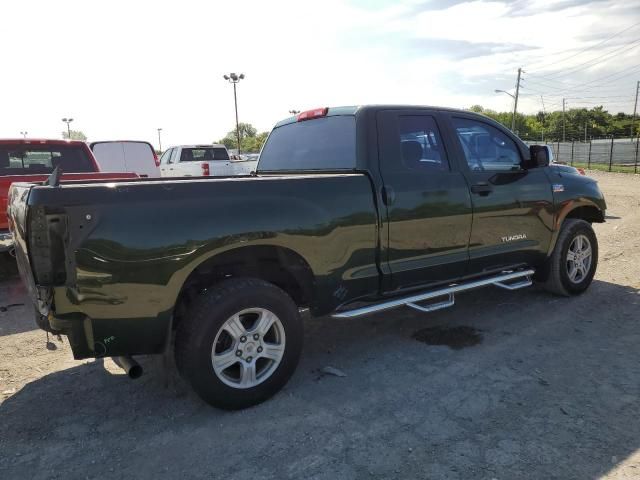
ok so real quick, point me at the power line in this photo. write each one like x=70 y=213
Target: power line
x=590 y=47
x=536 y=93
x=589 y=63
x=563 y=86
x=588 y=87
x=549 y=82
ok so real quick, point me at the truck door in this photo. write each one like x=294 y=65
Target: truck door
x=166 y=166
x=428 y=207
x=512 y=206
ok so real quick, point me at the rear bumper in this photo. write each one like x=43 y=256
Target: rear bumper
x=6 y=241
x=108 y=337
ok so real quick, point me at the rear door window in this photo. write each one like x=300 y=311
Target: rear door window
x=327 y=143
x=420 y=144
x=23 y=159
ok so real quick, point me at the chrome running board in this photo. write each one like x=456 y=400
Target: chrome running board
x=412 y=301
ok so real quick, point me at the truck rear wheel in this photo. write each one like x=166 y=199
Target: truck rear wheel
x=573 y=262
x=239 y=343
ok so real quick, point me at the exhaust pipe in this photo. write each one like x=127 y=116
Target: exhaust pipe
x=129 y=365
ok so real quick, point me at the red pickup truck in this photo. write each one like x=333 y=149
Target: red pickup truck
x=28 y=160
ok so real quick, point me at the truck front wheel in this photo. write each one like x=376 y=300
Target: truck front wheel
x=573 y=262
x=239 y=343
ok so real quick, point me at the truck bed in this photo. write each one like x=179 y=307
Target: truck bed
x=7 y=180
x=168 y=228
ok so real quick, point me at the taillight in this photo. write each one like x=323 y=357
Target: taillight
x=156 y=159
x=315 y=113
x=205 y=169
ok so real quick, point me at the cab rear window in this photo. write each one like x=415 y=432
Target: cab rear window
x=327 y=143
x=203 y=154
x=23 y=159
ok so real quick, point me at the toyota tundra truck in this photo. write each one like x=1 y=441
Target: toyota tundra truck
x=352 y=210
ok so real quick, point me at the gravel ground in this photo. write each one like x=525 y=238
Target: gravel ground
x=535 y=387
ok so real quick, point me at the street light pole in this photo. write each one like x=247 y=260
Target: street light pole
x=234 y=79
x=515 y=101
x=294 y=112
x=24 y=134
x=68 y=121
x=159 y=141
x=235 y=102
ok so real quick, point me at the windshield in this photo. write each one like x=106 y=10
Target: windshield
x=21 y=159
x=320 y=144
x=203 y=154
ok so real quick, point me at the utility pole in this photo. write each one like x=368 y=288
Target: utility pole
x=563 y=122
x=159 y=141
x=515 y=101
x=635 y=109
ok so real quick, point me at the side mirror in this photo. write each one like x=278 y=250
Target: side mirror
x=541 y=155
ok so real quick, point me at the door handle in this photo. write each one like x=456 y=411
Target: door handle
x=388 y=195
x=482 y=189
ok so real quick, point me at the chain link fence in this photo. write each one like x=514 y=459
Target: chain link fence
x=611 y=154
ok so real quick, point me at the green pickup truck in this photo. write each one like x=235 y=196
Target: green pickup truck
x=352 y=210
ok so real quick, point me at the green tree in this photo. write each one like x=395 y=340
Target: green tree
x=75 y=135
x=250 y=139
x=598 y=122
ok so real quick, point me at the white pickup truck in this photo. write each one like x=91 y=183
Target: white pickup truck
x=202 y=161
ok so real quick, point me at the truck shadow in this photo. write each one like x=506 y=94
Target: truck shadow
x=15 y=316
x=552 y=391
x=8 y=267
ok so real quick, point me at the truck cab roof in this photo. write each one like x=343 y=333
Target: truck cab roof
x=339 y=138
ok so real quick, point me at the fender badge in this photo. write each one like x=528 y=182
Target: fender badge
x=558 y=187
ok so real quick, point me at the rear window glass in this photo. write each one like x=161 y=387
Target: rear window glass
x=20 y=159
x=319 y=144
x=203 y=154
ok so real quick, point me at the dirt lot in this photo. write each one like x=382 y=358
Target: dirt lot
x=550 y=388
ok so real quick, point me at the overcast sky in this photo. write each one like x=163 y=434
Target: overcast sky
x=122 y=69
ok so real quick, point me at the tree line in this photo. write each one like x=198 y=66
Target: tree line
x=579 y=123
x=250 y=140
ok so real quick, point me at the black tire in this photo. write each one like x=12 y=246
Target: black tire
x=200 y=328
x=558 y=281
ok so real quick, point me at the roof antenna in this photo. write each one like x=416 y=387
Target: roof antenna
x=54 y=178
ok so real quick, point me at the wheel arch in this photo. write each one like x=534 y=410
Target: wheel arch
x=585 y=210
x=589 y=213
x=275 y=264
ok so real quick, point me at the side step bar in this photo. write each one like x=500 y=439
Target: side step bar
x=502 y=281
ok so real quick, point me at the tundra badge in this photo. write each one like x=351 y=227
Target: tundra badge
x=511 y=238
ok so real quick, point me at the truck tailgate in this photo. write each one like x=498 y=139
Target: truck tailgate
x=17 y=222
x=7 y=180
